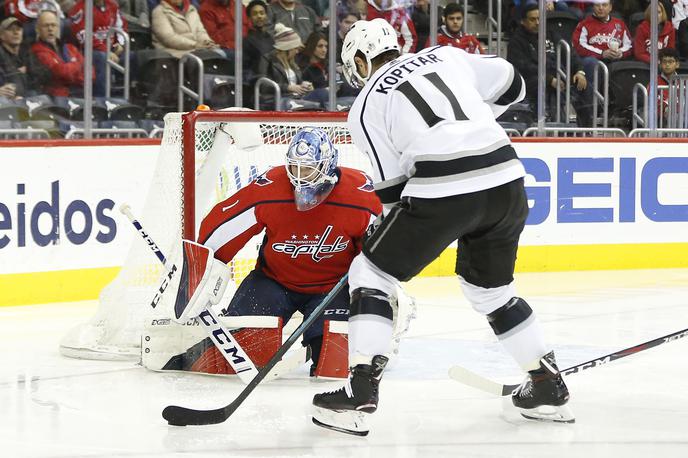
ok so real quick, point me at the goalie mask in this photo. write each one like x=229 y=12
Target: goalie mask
x=311 y=167
x=371 y=38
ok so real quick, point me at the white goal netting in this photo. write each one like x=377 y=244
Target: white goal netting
x=228 y=154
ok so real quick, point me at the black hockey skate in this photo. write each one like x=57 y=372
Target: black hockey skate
x=543 y=395
x=344 y=410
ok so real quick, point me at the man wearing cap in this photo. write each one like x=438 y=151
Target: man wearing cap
x=20 y=73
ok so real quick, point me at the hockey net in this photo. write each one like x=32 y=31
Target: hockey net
x=204 y=158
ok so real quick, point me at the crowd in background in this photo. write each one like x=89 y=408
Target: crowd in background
x=42 y=44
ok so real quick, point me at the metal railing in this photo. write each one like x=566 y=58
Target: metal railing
x=183 y=90
x=156 y=132
x=663 y=132
x=24 y=134
x=564 y=74
x=267 y=82
x=678 y=102
x=494 y=27
x=512 y=132
x=112 y=132
x=575 y=132
x=600 y=97
x=638 y=118
x=123 y=69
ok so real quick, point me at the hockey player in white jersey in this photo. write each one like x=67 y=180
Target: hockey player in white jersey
x=444 y=170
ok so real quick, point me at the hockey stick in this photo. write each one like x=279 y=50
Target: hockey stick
x=182 y=416
x=221 y=337
x=463 y=375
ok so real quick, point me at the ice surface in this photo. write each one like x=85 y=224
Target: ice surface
x=52 y=406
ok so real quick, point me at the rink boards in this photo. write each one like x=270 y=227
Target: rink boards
x=594 y=205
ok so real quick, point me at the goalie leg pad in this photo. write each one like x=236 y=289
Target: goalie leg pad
x=333 y=358
x=195 y=280
x=171 y=346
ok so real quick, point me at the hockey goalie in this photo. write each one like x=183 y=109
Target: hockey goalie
x=315 y=215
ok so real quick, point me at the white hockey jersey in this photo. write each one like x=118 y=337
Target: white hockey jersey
x=427 y=121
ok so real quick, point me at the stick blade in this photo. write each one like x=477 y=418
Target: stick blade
x=182 y=416
x=463 y=375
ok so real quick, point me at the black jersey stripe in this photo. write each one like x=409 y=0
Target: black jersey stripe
x=391 y=194
x=432 y=169
x=514 y=90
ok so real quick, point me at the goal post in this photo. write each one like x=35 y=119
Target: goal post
x=205 y=156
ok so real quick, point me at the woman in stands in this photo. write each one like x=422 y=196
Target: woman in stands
x=282 y=69
x=177 y=28
x=313 y=60
x=666 y=37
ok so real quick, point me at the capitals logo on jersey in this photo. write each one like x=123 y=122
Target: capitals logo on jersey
x=316 y=247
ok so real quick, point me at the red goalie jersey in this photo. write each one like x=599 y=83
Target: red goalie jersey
x=305 y=251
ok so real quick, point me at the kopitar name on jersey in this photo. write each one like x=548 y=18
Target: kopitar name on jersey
x=404 y=69
x=317 y=247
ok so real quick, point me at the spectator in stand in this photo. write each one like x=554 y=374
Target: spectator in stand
x=320 y=7
x=300 y=18
x=450 y=33
x=63 y=60
x=668 y=65
x=259 y=42
x=522 y=52
x=601 y=37
x=313 y=60
x=344 y=24
x=666 y=34
x=105 y=16
x=563 y=6
x=177 y=28
x=218 y=19
x=357 y=7
x=135 y=12
x=680 y=21
x=27 y=10
x=394 y=12
x=14 y=82
x=420 y=15
x=283 y=70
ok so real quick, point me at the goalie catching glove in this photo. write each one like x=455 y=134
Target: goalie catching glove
x=194 y=281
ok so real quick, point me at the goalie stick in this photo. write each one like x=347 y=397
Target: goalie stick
x=182 y=416
x=463 y=375
x=208 y=319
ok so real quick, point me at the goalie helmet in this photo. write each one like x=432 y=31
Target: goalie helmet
x=311 y=166
x=371 y=38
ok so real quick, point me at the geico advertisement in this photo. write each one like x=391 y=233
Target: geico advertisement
x=591 y=193
x=59 y=205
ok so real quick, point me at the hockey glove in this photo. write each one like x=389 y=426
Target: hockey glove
x=195 y=281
